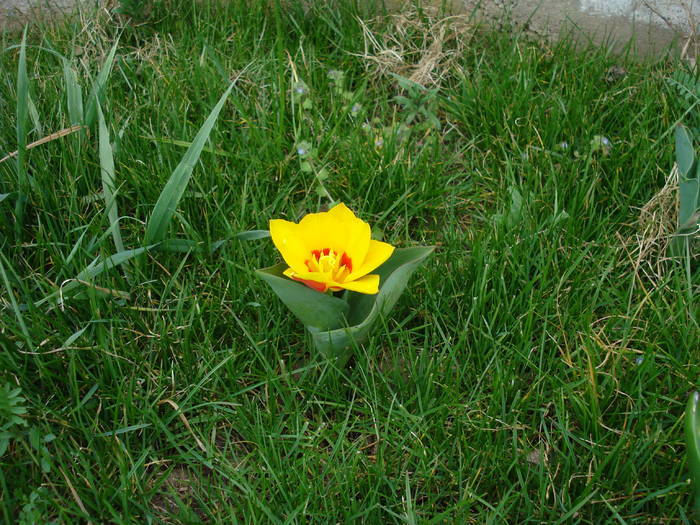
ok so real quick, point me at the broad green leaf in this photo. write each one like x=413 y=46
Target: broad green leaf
x=366 y=309
x=692 y=436
x=98 y=87
x=315 y=309
x=74 y=94
x=688 y=190
x=108 y=180
x=180 y=246
x=163 y=211
x=252 y=235
x=685 y=155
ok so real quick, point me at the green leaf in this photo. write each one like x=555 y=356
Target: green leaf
x=108 y=180
x=74 y=94
x=685 y=155
x=163 y=211
x=252 y=235
x=15 y=307
x=98 y=87
x=688 y=191
x=316 y=310
x=692 y=436
x=22 y=112
x=186 y=144
x=366 y=309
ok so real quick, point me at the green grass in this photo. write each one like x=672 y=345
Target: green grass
x=175 y=388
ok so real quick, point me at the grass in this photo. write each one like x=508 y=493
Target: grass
x=536 y=370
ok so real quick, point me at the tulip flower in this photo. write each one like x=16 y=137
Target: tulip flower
x=331 y=251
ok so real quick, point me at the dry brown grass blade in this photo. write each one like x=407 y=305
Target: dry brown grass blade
x=420 y=46
x=44 y=140
x=656 y=224
x=75 y=495
x=184 y=421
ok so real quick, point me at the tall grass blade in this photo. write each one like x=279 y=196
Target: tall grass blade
x=108 y=180
x=22 y=114
x=74 y=94
x=98 y=87
x=157 y=227
x=13 y=302
x=692 y=435
x=34 y=116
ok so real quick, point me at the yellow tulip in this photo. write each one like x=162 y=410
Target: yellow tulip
x=331 y=251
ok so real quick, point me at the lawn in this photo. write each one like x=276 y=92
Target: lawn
x=535 y=370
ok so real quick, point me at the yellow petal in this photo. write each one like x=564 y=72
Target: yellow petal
x=377 y=254
x=290 y=243
x=352 y=235
x=339 y=230
x=342 y=213
x=317 y=230
x=357 y=241
x=368 y=284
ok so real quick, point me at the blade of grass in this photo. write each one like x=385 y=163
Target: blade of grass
x=157 y=227
x=98 y=87
x=185 y=144
x=692 y=435
x=94 y=269
x=74 y=94
x=108 y=180
x=22 y=116
x=13 y=302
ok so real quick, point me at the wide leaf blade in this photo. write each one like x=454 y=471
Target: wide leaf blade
x=163 y=211
x=108 y=180
x=315 y=309
x=74 y=95
x=98 y=87
x=685 y=155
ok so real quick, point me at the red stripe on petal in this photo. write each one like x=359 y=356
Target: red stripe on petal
x=319 y=287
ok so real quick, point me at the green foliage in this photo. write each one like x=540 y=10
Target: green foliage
x=137 y=10
x=338 y=324
x=692 y=438
x=36 y=509
x=535 y=371
x=11 y=411
x=417 y=102
x=688 y=191
x=164 y=209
